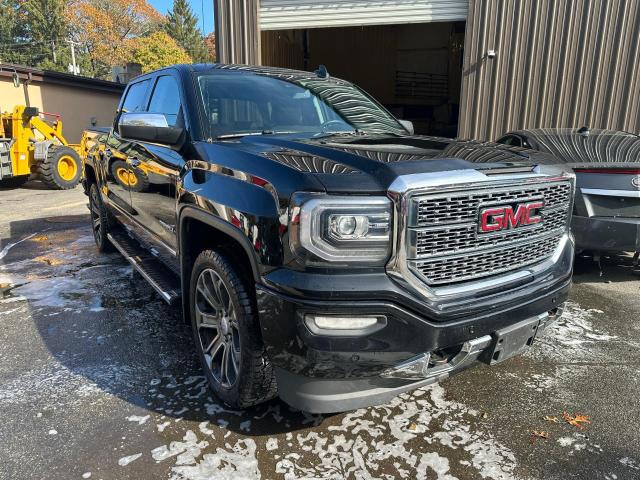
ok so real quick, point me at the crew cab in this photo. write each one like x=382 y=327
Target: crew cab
x=321 y=251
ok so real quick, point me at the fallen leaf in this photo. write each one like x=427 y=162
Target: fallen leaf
x=536 y=434
x=576 y=420
x=549 y=418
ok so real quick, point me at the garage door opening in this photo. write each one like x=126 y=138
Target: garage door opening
x=415 y=70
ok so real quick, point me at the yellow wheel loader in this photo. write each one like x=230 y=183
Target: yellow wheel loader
x=30 y=145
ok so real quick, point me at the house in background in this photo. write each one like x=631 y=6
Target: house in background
x=80 y=101
x=472 y=68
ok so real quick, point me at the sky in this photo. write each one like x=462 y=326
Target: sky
x=196 y=5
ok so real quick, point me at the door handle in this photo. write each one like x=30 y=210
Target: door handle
x=134 y=161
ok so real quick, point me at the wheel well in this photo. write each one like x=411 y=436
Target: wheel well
x=89 y=174
x=203 y=236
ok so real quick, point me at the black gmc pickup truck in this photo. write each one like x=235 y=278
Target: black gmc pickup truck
x=321 y=250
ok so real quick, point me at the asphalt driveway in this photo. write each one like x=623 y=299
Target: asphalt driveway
x=98 y=379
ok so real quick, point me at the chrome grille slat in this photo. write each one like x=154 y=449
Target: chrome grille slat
x=459 y=207
x=472 y=266
x=445 y=247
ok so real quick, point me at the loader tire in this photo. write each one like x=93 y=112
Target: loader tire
x=14 y=182
x=130 y=178
x=62 y=169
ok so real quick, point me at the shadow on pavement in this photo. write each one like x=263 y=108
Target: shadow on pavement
x=108 y=331
x=610 y=268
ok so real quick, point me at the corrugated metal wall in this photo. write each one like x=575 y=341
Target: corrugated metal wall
x=237 y=33
x=558 y=64
x=290 y=14
x=283 y=49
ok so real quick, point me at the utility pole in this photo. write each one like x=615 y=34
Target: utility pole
x=74 y=67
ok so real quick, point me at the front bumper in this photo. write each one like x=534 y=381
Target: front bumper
x=321 y=373
x=322 y=395
x=606 y=233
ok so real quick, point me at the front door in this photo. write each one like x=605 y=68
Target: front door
x=156 y=169
x=116 y=171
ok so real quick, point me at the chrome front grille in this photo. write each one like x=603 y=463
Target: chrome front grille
x=444 y=245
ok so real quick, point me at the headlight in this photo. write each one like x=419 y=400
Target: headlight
x=343 y=229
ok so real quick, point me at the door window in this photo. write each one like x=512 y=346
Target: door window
x=166 y=99
x=134 y=101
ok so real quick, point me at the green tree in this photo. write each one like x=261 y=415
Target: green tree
x=156 y=51
x=46 y=25
x=182 y=25
x=12 y=32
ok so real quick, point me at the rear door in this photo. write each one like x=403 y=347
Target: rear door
x=157 y=168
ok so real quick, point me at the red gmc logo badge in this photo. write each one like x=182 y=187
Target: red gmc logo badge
x=496 y=219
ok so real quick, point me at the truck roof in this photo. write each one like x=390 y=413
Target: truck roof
x=284 y=73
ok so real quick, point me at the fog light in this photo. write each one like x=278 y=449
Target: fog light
x=344 y=325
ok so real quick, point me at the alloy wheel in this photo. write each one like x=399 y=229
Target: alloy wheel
x=217 y=326
x=96 y=218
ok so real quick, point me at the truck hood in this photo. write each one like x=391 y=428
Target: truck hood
x=366 y=163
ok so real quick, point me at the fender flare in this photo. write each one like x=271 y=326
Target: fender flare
x=192 y=212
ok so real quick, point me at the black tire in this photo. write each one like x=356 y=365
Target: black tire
x=254 y=380
x=55 y=177
x=14 y=182
x=140 y=181
x=101 y=220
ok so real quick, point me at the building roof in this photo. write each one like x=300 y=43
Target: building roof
x=59 y=78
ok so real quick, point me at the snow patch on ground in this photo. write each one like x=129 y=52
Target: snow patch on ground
x=413 y=432
x=140 y=420
x=124 y=461
x=632 y=464
x=71 y=276
x=62 y=386
x=272 y=444
x=573 y=337
x=236 y=462
x=579 y=442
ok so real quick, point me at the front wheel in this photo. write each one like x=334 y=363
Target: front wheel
x=227 y=335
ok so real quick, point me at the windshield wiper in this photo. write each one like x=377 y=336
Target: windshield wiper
x=246 y=134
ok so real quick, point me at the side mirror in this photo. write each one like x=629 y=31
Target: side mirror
x=408 y=125
x=148 y=127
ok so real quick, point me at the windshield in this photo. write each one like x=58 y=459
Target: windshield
x=235 y=104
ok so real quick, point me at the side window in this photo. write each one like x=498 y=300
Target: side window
x=166 y=99
x=134 y=101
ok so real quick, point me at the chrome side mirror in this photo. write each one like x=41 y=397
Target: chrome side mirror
x=149 y=127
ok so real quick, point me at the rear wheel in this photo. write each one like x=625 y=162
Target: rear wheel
x=62 y=168
x=14 y=182
x=100 y=219
x=227 y=335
